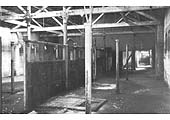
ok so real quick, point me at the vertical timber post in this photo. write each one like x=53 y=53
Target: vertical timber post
x=159 y=46
x=117 y=66
x=88 y=62
x=127 y=61
x=0 y=76
x=95 y=60
x=12 y=67
x=65 y=50
x=28 y=19
x=133 y=55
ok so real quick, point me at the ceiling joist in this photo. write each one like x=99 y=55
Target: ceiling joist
x=110 y=9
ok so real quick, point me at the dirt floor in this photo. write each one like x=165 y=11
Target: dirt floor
x=142 y=94
x=13 y=102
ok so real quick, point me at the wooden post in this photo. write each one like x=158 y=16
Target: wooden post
x=0 y=76
x=28 y=19
x=127 y=61
x=94 y=60
x=88 y=63
x=117 y=66
x=65 y=50
x=159 y=46
x=74 y=52
x=133 y=55
x=12 y=67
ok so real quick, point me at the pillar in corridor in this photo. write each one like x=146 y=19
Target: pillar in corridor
x=88 y=62
x=159 y=46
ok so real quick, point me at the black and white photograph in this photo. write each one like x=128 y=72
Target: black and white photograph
x=84 y=59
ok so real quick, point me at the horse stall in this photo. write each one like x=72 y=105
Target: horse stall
x=46 y=71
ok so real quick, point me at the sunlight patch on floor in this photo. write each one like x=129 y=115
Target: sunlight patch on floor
x=104 y=86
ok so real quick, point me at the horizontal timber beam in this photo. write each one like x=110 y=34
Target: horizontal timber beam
x=106 y=25
x=110 y=9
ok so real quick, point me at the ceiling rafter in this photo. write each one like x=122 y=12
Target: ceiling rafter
x=97 y=18
x=147 y=15
x=110 y=9
x=36 y=22
x=23 y=23
x=105 y=25
x=40 y=10
x=135 y=20
x=22 y=9
x=55 y=19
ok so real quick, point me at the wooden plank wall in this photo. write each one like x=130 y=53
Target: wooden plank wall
x=47 y=79
x=76 y=73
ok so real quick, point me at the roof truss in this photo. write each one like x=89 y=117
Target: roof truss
x=43 y=13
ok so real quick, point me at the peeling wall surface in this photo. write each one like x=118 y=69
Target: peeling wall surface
x=6 y=54
x=7 y=37
x=167 y=47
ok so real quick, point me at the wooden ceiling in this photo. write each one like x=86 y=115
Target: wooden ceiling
x=50 y=18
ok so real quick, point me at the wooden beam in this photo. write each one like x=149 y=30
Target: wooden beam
x=85 y=14
x=26 y=82
x=105 y=25
x=36 y=22
x=12 y=67
x=147 y=15
x=88 y=63
x=159 y=55
x=22 y=9
x=94 y=61
x=122 y=17
x=55 y=19
x=68 y=8
x=130 y=20
x=101 y=34
x=40 y=10
x=97 y=18
x=42 y=42
x=65 y=50
x=109 y=9
x=117 y=66
x=20 y=23
x=25 y=25
x=127 y=54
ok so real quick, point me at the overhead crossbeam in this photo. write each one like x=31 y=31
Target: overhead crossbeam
x=20 y=23
x=105 y=25
x=110 y=9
